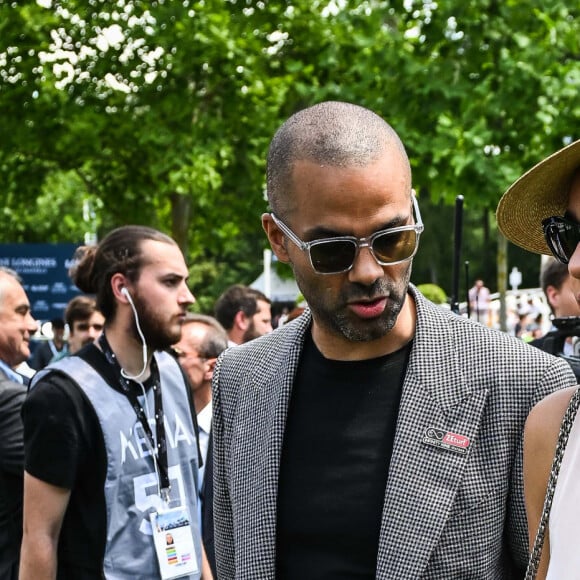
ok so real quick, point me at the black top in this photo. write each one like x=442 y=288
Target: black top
x=64 y=447
x=42 y=355
x=335 y=462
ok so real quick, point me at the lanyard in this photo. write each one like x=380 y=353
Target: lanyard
x=160 y=450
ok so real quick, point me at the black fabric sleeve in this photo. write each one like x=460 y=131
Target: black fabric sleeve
x=59 y=428
x=42 y=357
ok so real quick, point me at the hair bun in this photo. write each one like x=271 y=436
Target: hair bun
x=81 y=271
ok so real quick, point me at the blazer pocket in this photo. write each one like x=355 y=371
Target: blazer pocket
x=470 y=545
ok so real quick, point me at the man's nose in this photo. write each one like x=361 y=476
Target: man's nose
x=574 y=263
x=365 y=269
x=186 y=297
x=93 y=331
x=32 y=325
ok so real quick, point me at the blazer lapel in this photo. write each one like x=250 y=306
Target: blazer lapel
x=427 y=465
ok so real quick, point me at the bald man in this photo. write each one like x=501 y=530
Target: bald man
x=377 y=435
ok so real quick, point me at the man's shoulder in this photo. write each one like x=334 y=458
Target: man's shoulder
x=11 y=391
x=271 y=350
x=51 y=385
x=476 y=342
x=280 y=337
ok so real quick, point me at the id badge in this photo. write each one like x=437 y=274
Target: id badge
x=174 y=543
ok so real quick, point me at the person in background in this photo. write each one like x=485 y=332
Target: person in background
x=556 y=283
x=377 y=436
x=85 y=323
x=16 y=327
x=52 y=347
x=540 y=212
x=117 y=450
x=479 y=302
x=203 y=339
x=522 y=328
x=244 y=312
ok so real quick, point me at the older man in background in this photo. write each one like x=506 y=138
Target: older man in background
x=16 y=328
x=203 y=339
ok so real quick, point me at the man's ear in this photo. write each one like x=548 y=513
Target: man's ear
x=275 y=237
x=241 y=320
x=118 y=282
x=553 y=296
x=208 y=373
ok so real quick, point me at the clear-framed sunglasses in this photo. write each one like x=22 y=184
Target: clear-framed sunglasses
x=337 y=255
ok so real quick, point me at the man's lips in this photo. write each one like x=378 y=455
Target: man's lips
x=369 y=308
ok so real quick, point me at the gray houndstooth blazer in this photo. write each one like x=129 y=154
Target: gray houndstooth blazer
x=446 y=515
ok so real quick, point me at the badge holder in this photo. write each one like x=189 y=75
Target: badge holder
x=174 y=542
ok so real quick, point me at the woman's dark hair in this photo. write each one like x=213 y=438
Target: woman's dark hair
x=119 y=252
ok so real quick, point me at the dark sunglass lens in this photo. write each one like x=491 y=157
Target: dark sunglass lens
x=552 y=239
x=562 y=237
x=332 y=257
x=568 y=237
x=395 y=247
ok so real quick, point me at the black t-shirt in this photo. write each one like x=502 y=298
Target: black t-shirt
x=334 y=467
x=64 y=446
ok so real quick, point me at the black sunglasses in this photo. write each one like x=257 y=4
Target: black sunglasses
x=562 y=236
x=337 y=255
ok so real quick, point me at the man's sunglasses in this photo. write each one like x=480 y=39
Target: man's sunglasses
x=562 y=236
x=337 y=255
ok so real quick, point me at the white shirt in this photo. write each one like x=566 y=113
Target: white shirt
x=565 y=513
x=204 y=424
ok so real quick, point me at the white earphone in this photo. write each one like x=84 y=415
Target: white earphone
x=126 y=293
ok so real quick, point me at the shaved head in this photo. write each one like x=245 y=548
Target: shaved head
x=330 y=133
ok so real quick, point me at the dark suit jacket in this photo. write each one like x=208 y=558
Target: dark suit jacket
x=446 y=515
x=11 y=475
x=207 y=509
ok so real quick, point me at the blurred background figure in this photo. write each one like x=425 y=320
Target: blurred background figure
x=203 y=339
x=52 y=347
x=479 y=302
x=244 y=312
x=555 y=282
x=85 y=324
x=16 y=328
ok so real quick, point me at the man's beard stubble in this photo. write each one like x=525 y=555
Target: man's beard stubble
x=338 y=318
x=157 y=332
x=250 y=333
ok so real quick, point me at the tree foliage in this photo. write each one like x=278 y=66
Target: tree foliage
x=160 y=112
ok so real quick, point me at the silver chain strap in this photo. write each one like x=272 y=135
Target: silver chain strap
x=565 y=429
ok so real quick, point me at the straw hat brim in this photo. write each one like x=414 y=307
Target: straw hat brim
x=540 y=193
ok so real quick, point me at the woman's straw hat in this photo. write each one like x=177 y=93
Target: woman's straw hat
x=540 y=193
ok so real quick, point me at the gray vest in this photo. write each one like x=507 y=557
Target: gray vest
x=131 y=486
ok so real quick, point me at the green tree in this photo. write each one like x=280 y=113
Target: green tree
x=161 y=112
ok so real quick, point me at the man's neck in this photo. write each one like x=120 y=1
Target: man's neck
x=202 y=397
x=10 y=373
x=128 y=351
x=236 y=336
x=340 y=348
